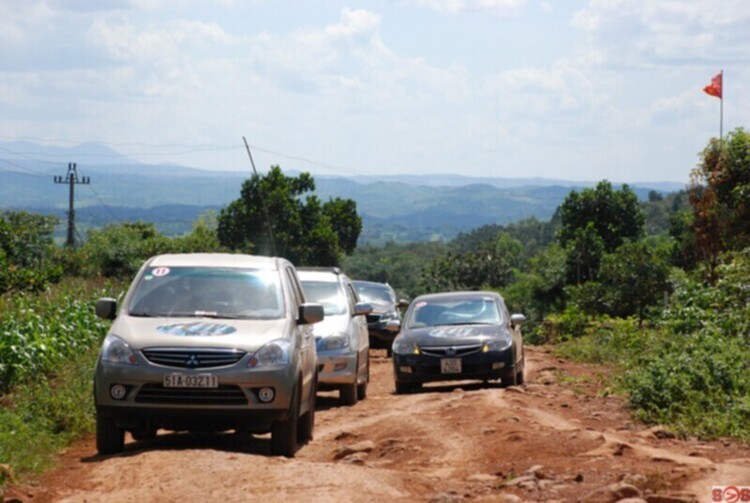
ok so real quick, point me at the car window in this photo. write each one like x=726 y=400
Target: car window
x=475 y=311
x=207 y=291
x=379 y=294
x=329 y=294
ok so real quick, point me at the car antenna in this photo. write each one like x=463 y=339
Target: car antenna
x=262 y=200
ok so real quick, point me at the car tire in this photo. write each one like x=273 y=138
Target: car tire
x=284 y=433
x=110 y=438
x=140 y=434
x=510 y=380
x=307 y=422
x=403 y=388
x=389 y=351
x=362 y=388
x=348 y=393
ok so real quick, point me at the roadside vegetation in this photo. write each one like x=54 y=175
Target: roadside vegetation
x=657 y=290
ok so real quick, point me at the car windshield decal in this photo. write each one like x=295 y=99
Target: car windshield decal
x=196 y=329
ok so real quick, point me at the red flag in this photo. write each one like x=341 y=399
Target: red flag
x=714 y=89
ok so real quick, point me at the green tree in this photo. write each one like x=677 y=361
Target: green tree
x=585 y=252
x=304 y=231
x=720 y=196
x=29 y=259
x=615 y=215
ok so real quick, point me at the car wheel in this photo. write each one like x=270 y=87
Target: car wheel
x=362 y=388
x=403 y=388
x=143 y=434
x=389 y=351
x=284 y=433
x=307 y=422
x=519 y=377
x=348 y=393
x=110 y=438
x=510 y=380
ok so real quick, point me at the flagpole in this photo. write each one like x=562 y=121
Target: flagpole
x=721 y=112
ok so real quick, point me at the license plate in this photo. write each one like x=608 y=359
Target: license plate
x=177 y=380
x=450 y=365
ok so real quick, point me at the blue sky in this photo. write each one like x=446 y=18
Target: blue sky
x=579 y=90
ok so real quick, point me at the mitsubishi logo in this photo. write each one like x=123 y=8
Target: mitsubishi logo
x=192 y=361
x=450 y=351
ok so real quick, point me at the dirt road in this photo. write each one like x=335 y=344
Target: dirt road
x=556 y=438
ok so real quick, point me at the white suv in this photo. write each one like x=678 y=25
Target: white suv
x=342 y=341
x=209 y=342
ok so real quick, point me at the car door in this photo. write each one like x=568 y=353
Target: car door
x=359 y=326
x=303 y=333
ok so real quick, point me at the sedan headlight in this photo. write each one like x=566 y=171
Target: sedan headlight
x=116 y=350
x=335 y=341
x=497 y=345
x=273 y=354
x=405 y=347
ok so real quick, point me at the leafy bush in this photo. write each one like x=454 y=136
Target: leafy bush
x=39 y=332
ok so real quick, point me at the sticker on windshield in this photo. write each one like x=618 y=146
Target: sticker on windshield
x=196 y=329
x=420 y=305
x=160 y=271
x=453 y=332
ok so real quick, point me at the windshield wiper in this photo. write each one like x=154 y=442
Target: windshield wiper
x=466 y=323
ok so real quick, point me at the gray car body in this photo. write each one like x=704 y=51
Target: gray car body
x=247 y=336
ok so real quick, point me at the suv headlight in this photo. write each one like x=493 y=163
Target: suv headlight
x=273 y=354
x=116 y=350
x=497 y=345
x=335 y=341
x=388 y=316
x=404 y=347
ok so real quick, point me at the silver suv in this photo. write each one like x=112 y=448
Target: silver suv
x=209 y=342
x=342 y=340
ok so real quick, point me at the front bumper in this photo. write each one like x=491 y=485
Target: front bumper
x=235 y=403
x=336 y=369
x=411 y=368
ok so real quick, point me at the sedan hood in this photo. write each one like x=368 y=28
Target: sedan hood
x=454 y=335
x=248 y=335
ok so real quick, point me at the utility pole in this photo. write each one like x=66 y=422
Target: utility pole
x=72 y=179
x=271 y=241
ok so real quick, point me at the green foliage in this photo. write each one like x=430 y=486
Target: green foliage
x=491 y=265
x=632 y=279
x=400 y=265
x=585 y=250
x=305 y=232
x=719 y=194
x=615 y=215
x=39 y=332
x=27 y=253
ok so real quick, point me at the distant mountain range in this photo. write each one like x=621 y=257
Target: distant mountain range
x=393 y=207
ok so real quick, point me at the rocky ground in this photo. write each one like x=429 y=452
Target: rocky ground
x=559 y=437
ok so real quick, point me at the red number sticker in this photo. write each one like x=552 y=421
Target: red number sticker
x=160 y=271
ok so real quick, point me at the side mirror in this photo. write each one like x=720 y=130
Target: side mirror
x=403 y=303
x=310 y=313
x=517 y=320
x=106 y=308
x=362 y=308
x=393 y=326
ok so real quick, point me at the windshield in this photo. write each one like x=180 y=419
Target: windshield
x=377 y=294
x=327 y=293
x=208 y=291
x=479 y=311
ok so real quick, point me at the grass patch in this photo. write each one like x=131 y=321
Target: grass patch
x=38 y=419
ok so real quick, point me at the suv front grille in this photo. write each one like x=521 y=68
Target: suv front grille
x=450 y=351
x=193 y=358
x=225 y=394
x=373 y=318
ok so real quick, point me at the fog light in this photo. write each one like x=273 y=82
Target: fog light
x=405 y=369
x=266 y=394
x=339 y=366
x=498 y=365
x=118 y=391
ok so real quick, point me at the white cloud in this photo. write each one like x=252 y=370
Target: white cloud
x=457 y=6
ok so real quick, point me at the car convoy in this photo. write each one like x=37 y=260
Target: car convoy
x=214 y=342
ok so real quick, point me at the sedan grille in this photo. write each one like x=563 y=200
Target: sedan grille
x=193 y=358
x=450 y=351
x=223 y=395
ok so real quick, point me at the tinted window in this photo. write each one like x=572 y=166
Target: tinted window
x=477 y=311
x=379 y=294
